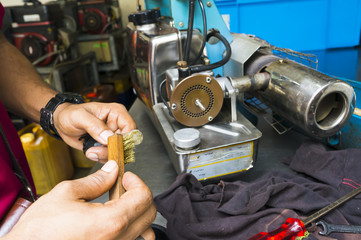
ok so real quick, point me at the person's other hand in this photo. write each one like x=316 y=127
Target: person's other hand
x=100 y=120
x=64 y=212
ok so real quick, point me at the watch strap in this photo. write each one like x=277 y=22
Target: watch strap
x=46 y=113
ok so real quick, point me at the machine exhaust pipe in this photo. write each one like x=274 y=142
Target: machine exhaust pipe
x=318 y=104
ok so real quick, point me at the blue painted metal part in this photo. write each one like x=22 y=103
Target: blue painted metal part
x=164 y=6
x=178 y=10
x=350 y=135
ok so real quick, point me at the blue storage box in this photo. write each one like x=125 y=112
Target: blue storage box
x=339 y=63
x=350 y=134
x=297 y=24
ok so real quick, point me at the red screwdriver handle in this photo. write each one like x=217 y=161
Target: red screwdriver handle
x=291 y=229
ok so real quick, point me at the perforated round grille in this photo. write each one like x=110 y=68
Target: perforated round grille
x=197 y=90
x=196 y=100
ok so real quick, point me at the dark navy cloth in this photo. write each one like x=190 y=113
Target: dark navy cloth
x=239 y=210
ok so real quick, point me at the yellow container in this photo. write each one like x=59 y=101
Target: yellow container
x=79 y=159
x=49 y=159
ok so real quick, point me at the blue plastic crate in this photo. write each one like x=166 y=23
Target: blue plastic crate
x=339 y=63
x=350 y=134
x=297 y=24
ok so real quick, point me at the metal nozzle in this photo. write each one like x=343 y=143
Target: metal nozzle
x=258 y=81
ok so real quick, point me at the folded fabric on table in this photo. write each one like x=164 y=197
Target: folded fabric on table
x=239 y=210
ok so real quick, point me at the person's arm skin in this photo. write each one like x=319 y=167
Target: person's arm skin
x=22 y=90
x=24 y=93
x=63 y=213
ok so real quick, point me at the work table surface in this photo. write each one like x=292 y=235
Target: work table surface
x=154 y=167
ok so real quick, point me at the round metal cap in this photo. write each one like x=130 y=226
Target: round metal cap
x=187 y=138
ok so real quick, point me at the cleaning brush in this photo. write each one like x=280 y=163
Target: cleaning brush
x=121 y=149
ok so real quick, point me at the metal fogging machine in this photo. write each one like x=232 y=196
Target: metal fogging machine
x=196 y=78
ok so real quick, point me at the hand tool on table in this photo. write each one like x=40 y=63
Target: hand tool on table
x=294 y=227
x=330 y=228
x=121 y=150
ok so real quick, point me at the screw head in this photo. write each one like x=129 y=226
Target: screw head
x=208 y=80
x=209 y=4
x=174 y=106
x=181 y=24
x=182 y=64
x=210 y=118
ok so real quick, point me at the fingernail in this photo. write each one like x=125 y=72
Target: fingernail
x=104 y=135
x=93 y=156
x=109 y=166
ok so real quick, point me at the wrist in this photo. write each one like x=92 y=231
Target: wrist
x=54 y=107
x=57 y=112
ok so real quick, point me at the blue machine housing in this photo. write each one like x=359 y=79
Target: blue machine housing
x=178 y=10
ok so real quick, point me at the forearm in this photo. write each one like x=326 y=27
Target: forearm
x=22 y=91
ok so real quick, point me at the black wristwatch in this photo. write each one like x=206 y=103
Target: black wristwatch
x=46 y=113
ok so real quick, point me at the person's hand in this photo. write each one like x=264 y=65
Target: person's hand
x=100 y=120
x=63 y=213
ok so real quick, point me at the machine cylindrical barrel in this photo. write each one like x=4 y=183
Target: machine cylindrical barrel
x=315 y=102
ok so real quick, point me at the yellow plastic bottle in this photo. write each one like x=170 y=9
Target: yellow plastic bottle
x=49 y=159
x=79 y=159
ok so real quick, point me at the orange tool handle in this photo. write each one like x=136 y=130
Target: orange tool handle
x=116 y=153
x=291 y=229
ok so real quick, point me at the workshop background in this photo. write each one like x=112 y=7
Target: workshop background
x=127 y=7
x=328 y=31
x=76 y=46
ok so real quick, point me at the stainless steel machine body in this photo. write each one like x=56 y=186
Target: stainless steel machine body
x=227 y=147
x=228 y=142
x=154 y=48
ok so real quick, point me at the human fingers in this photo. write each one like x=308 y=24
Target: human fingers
x=137 y=197
x=116 y=115
x=63 y=213
x=139 y=224
x=148 y=234
x=119 y=121
x=131 y=214
x=91 y=186
x=100 y=120
x=74 y=120
x=99 y=154
x=88 y=122
x=139 y=228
